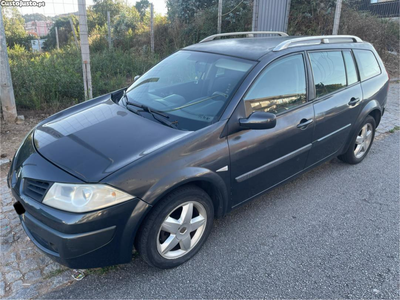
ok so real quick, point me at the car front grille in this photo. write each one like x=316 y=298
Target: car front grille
x=36 y=189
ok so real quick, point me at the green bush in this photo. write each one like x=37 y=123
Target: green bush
x=54 y=79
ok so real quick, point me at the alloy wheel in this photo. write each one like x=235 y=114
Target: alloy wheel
x=363 y=141
x=181 y=230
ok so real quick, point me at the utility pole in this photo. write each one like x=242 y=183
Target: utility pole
x=58 y=44
x=152 y=27
x=73 y=32
x=40 y=48
x=6 y=87
x=336 y=22
x=109 y=30
x=83 y=33
x=255 y=16
x=219 y=16
x=287 y=16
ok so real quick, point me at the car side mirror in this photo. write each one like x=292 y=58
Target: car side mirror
x=258 y=120
x=136 y=78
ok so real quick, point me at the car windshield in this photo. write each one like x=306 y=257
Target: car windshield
x=188 y=90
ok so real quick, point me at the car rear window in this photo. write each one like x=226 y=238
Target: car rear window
x=367 y=64
x=329 y=71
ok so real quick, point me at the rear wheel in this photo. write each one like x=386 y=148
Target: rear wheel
x=176 y=228
x=361 y=143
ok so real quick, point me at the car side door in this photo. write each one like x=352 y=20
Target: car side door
x=338 y=96
x=261 y=159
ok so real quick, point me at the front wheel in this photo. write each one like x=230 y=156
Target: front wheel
x=176 y=228
x=361 y=143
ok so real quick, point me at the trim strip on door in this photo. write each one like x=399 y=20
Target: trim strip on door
x=332 y=133
x=272 y=164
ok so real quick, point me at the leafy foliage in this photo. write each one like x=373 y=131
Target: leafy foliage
x=141 y=6
x=35 y=17
x=54 y=79
x=14 y=28
x=65 y=35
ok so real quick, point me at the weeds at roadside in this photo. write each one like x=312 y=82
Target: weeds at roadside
x=395 y=128
x=54 y=273
x=100 y=271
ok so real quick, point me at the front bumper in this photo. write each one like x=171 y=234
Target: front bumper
x=82 y=241
x=76 y=240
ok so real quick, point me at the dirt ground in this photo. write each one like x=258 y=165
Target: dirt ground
x=12 y=134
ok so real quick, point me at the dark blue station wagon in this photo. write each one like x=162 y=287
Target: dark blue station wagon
x=207 y=129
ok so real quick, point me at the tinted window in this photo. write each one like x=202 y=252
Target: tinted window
x=367 y=64
x=329 y=72
x=280 y=87
x=350 y=67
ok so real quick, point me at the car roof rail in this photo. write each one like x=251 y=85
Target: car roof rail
x=317 y=40
x=247 y=33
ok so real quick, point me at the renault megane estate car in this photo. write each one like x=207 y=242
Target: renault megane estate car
x=207 y=129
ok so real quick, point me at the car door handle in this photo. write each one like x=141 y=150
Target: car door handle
x=304 y=123
x=354 y=101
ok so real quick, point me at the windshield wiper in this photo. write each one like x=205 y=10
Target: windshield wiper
x=133 y=110
x=145 y=108
x=165 y=122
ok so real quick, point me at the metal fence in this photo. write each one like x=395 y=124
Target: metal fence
x=382 y=9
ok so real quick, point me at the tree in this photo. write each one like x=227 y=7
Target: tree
x=311 y=17
x=101 y=7
x=14 y=28
x=65 y=35
x=35 y=17
x=141 y=6
x=185 y=10
x=125 y=24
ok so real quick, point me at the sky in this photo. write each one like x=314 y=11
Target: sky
x=56 y=7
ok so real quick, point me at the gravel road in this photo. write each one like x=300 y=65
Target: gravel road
x=332 y=233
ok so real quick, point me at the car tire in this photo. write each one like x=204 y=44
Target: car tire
x=167 y=237
x=361 y=142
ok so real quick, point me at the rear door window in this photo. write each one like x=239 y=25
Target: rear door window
x=367 y=64
x=352 y=76
x=328 y=70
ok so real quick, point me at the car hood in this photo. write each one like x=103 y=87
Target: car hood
x=98 y=140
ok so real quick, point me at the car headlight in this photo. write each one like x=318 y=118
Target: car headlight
x=83 y=197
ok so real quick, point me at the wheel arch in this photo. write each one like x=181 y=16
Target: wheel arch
x=372 y=108
x=377 y=115
x=205 y=179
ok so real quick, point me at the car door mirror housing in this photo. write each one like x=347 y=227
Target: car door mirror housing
x=258 y=120
x=136 y=78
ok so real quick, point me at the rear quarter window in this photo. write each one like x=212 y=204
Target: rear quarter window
x=367 y=64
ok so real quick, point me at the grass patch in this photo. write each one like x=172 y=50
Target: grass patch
x=54 y=273
x=100 y=271
x=395 y=128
